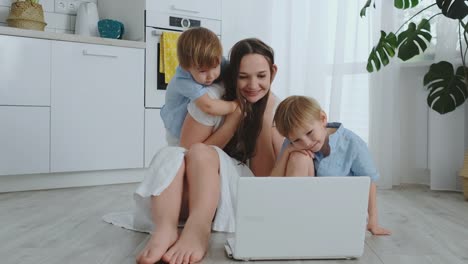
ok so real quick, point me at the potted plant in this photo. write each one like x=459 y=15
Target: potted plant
x=447 y=87
x=27 y=14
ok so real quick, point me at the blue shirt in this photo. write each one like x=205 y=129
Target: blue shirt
x=349 y=155
x=180 y=91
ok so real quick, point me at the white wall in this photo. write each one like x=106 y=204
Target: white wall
x=245 y=19
x=56 y=22
x=130 y=13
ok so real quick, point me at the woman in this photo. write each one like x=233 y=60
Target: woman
x=210 y=179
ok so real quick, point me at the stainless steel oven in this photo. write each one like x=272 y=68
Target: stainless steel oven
x=156 y=24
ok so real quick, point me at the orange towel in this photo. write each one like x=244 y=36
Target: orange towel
x=168 y=54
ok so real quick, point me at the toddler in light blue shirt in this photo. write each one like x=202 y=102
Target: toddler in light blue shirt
x=314 y=147
x=199 y=52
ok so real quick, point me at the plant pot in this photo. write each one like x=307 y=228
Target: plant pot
x=26 y=15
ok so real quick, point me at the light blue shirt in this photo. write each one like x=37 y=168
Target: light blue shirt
x=349 y=155
x=180 y=91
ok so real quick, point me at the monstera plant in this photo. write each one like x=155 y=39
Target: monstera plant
x=447 y=86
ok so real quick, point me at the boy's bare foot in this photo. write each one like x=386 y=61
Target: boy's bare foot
x=191 y=246
x=158 y=244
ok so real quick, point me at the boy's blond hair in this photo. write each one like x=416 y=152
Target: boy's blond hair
x=294 y=112
x=199 y=47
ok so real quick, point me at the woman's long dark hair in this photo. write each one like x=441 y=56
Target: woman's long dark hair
x=242 y=144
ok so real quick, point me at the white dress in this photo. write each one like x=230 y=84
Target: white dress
x=163 y=169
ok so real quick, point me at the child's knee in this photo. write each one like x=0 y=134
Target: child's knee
x=299 y=158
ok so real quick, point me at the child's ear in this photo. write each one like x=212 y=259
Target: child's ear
x=323 y=118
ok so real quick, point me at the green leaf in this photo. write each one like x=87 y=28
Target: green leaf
x=405 y=4
x=364 y=8
x=447 y=90
x=464 y=26
x=465 y=30
x=380 y=53
x=456 y=9
x=412 y=41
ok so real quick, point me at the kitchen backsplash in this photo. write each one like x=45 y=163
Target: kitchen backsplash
x=56 y=22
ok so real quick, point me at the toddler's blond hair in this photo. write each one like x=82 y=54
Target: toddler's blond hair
x=296 y=111
x=199 y=47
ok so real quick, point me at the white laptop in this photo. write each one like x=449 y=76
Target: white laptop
x=300 y=218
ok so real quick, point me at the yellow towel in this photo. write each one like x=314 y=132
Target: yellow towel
x=168 y=54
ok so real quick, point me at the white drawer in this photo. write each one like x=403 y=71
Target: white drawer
x=97 y=112
x=24 y=71
x=24 y=140
x=201 y=8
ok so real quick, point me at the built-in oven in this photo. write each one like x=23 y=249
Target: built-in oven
x=156 y=24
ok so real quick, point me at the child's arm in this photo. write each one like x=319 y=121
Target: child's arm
x=226 y=131
x=193 y=132
x=363 y=165
x=216 y=107
x=373 y=225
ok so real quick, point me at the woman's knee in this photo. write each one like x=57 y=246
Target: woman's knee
x=200 y=153
x=201 y=161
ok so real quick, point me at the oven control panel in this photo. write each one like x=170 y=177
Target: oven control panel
x=183 y=22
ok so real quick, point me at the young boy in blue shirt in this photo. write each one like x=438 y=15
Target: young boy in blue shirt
x=199 y=52
x=314 y=147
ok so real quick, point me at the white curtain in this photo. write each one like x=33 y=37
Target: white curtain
x=385 y=124
x=322 y=49
x=446 y=132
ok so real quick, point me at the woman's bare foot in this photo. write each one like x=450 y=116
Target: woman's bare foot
x=158 y=244
x=191 y=246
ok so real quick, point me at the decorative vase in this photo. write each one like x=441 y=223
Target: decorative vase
x=27 y=15
x=464 y=175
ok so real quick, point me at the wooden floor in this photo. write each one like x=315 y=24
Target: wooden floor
x=65 y=226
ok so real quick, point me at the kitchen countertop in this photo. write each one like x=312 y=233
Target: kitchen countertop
x=10 y=31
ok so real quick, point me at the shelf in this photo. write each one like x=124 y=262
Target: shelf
x=10 y=31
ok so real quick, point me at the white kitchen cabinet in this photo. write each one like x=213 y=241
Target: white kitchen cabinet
x=201 y=8
x=24 y=71
x=155 y=134
x=97 y=111
x=24 y=140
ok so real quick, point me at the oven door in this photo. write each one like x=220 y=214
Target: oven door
x=155 y=88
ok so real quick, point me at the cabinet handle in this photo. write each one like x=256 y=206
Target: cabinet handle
x=87 y=53
x=173 y=7
x=156 y=32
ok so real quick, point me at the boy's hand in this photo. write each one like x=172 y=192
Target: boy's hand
x=306 y=152
x=377 y=230
x=235 y=116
